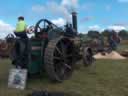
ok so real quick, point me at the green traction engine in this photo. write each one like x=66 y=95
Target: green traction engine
x=52 y=50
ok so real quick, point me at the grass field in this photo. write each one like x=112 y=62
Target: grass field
x=107 y=78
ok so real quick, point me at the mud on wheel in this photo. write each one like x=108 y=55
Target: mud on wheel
x=58 y=59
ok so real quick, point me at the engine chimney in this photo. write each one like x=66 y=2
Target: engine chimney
x=74 y=21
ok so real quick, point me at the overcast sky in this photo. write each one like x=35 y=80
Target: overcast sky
x=92 y=14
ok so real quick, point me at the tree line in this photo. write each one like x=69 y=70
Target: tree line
x=94 y=34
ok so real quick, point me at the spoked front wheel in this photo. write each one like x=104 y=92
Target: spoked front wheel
x=88 y=58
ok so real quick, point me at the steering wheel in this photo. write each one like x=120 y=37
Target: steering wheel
x=44 y=24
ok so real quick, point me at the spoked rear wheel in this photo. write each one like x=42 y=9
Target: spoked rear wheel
x=59 y=59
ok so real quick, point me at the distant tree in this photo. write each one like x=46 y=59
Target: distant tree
x=107 y=32
x=123 y=34
x=93 y=34
x=81 y=35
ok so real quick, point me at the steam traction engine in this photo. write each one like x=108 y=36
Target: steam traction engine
x=53 y=50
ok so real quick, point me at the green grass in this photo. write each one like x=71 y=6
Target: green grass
x=108 y=78
x=112 y=78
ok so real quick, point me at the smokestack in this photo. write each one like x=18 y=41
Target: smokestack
x=74 y=20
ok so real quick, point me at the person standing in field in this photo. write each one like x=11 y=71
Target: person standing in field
x=113 y=40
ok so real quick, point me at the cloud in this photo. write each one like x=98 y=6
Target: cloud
x=123 y=1
x=85 y=28
x=38 y=8
x=5 y=29
x=86 y=7
x=95 y=27
x=70 y=3
x=117 y=28
x=87 y=18
x=59 y=10
x=63 y=9
x=59 y=22
x=123 y=23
